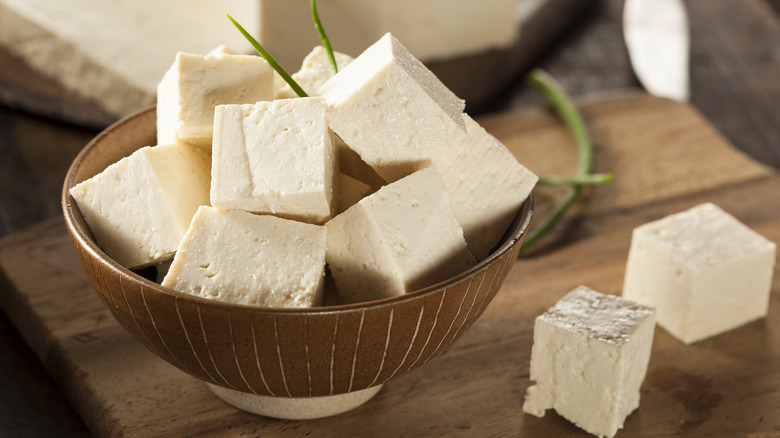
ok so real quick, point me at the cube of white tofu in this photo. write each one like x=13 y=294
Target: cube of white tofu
x=139 y=208
x=351 y=164
x=705 y=271
x=589 y=359
x=486 y=184
x=195 y=84
x=391 y=110
x=351 y=191
x=275 y=157
x=315 y=71
x=402 y=238
x=243 y=258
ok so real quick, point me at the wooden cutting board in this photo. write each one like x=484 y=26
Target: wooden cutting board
x=665 y=157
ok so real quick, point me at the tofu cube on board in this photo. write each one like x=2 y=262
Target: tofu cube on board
x=275 y=157
x=393 y=111
x=487 y=186
x=402 y=238
x=589 y=359
x=315 y=71
x=195 y=84
x=705 y=271
x=139 y=208
x=243 y=258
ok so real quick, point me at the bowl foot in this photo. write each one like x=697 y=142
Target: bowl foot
x=294 y=408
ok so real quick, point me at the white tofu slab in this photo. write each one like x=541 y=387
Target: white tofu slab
x=402 y=238
x=258 y=260
x=391 y=110
x=704 y=270
x=487 y=186
x=275 y=157
x=139 y=208
x=195 y=84
x=589 y=360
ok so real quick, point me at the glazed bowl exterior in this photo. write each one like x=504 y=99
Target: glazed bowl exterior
x=270 y=351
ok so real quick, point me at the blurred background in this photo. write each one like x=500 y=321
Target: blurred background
x=70 y=68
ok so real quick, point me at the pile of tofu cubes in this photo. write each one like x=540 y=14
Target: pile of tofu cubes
x=251 y=190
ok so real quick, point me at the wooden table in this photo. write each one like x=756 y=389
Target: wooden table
x=735 y=66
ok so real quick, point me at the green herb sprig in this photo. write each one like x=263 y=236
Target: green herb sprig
x=563 y=105
x=270 y=59
x=334 y=68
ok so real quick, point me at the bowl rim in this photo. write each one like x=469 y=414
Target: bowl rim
x=515 y=233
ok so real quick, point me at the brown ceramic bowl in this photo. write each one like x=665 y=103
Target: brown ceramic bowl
x=279 y=352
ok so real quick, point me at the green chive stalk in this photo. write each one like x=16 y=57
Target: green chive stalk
x=563 y=105
x=334 y=68
x=270 y=59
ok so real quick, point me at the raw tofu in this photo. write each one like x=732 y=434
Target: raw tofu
x=402 y=238
x=704 y=270
x=258 y=260
x=487 y=186
x=315 y=71
x=139 y=208
x=112 y=52
x=196 y=84
x=275 y=157
x=391 y=110
x=431 y=29
x=351 y=191
x=589 y=359
x=351 y=164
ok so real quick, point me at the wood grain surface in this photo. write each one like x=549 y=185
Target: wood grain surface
x=666 y=158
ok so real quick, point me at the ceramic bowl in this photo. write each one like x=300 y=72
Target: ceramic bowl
x=287 y=353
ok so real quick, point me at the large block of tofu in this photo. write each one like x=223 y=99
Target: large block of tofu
x=139 y=208
x=315 y=71
x=589 y=359
x=431 y=29
x=486 y=184
x=242 y=258
x=195 y=84
x=402 y=238
x=113 y=52
x=275 y=157
x=391 y=110
x=704 y=270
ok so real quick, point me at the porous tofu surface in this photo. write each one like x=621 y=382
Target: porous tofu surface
x=195 y=84
x=704 y=270
x=589 y=358
x=402 y=238
x=393 y=111
x=139 y=207
x=243 y=258
x=275 y=157
x=487 y=186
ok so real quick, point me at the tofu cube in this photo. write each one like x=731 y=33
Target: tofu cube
x=589 y=359
x=704 y=270
x=402 y=238
x=275 y=157
x=391 y=110
x=315 y=71
x=139 y=208
x=195 y=84
x=487 y=186
x=352 y=165
x=243 y=258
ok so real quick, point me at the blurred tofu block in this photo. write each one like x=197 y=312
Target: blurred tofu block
x=195 y=84
x=243 y=258
x=112 y=52
x=139 y=208
x=705 y=271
